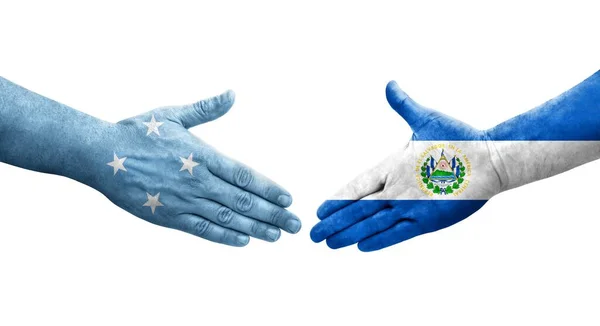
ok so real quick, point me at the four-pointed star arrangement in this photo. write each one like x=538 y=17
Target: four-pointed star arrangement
x=118 y=164
x=164 y=174
x=161 y=172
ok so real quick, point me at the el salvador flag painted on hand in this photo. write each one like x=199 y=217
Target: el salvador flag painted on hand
x=448 y=170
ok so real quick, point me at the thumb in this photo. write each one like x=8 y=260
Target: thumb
x=407 y=108
x=191 y=115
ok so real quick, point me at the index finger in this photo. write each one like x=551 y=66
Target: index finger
x=245 y=178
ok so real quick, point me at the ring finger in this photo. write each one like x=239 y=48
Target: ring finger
x=228 y=218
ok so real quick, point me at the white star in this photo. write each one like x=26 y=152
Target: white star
x=153 y=201
x=188 y=164
x=153 y=126
x=117 y=164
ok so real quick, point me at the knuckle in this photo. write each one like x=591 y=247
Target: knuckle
x=201 y=183
x=201 y=228
x=226 y=237
x=210 y=185
x=201 y=108
x=269 y=192
x=258 y=228
x=275 y=216
x=224 y=215
x=244 y=201
x=243 y=177
x=212 y=161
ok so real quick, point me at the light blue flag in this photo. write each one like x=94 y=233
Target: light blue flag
x=149 y=165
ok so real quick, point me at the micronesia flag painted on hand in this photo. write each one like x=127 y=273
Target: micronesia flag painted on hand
x=449 y=169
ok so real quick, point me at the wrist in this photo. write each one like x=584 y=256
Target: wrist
x=39 y=134
x=81 y=150
x=497 y=162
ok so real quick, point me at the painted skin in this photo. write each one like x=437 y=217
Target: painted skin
x=382 y=207
x=371 y=211
x=149 y=165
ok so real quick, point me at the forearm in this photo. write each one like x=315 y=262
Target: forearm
x=39 y=134
x=557 y=136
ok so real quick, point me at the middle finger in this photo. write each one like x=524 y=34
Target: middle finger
x=255 y=207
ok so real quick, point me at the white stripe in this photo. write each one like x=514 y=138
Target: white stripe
x=495 y=166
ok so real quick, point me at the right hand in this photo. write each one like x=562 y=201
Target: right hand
x=159 y=171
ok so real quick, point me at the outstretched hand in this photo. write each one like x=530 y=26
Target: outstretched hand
x=445 y=173
x=154 y=168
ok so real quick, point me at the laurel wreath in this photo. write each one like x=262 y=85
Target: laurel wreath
x=449 y=189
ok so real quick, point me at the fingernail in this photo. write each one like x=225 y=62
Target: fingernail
x=243 y=239
x=229 y=95
x=273 y=234
x=284 y=200
x=293 y=226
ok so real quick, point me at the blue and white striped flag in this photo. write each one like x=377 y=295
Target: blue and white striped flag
x=448 y=170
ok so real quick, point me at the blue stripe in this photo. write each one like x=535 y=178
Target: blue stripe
x=571 y=116
x=356 y=220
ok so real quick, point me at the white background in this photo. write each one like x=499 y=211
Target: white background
x=311 y=114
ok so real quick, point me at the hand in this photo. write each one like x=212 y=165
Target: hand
x=444 y=174
x=154 y=168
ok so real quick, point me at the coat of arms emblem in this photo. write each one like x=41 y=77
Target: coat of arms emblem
x=444 y=174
